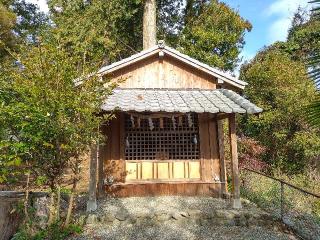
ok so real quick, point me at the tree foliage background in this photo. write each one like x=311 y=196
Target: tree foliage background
x=279 y=82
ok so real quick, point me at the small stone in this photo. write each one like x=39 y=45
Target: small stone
x=227 y=214
x=184 y=214
x=208 y=215
x=194 y=213
x=204 y=222
x=92 y=219
x=121 y=216
x=132 y=221
x=176 y=216
x=108 y=218
x=141 y=214
x=158 y=214
x=245 y=202
x=163 y=217
x=240 y=221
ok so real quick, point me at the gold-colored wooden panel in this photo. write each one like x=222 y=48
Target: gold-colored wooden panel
x=147 y=170
x=178 y=170
x=163 y=170
x=194 y=170
x=131 y=171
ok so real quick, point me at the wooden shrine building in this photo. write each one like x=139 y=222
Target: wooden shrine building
x=167 y=137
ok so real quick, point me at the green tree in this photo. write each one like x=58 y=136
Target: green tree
x=99 y=31
x=49 y=120
x=303 y=45
x=213 y=33
x=7 y=23
x=282 y=88
x=314 y=108
x=111 y=30
x=31 y=20
x=20 y=22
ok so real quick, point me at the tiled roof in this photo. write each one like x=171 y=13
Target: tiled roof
x=179 y=100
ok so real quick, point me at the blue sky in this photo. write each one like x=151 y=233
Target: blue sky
x=270 y=19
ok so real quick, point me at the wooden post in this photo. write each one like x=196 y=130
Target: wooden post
x=101 y=191
x=149 y=24
x=101 y=157
x=236 y=203
x=223 y=169
x=92 y=202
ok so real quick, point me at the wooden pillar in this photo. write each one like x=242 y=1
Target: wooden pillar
x=92 y=202
x=205 y=161
x=236 y=203
x=223 y=167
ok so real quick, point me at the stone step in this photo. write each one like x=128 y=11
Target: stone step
x=219 y=217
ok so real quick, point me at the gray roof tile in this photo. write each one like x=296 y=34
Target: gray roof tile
x=179 y=100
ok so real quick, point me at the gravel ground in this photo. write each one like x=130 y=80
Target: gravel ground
x=172 y=229
x=139 y=205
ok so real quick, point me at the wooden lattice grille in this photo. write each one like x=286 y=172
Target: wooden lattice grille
x=166 y=138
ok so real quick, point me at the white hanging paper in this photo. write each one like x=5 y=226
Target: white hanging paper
x=173 y=122
x=151 y=126
x=127 y=142
x=132 y=121
x=195 y=140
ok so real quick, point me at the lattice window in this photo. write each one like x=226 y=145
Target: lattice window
x=162 y=138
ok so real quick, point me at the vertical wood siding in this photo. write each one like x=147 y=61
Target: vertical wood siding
x=166 y=72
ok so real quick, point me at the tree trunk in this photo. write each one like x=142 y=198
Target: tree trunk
x=149 y=24
x=52 y=212
x=58 y=203
x=26 y=200
x=73 y=192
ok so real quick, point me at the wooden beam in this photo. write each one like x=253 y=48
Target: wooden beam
x=236 y=203
x=223 y=167
x=92 y=202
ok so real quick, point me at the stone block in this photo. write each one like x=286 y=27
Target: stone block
x=121 y=215
x=92 y=219
x=108 y=218
x=163 y=217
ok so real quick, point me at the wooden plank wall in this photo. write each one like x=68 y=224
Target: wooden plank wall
x=164 y=189
x=114 y=164
x=166 y=72
x=209 y=162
